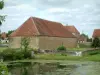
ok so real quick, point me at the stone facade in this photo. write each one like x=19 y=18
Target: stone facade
x=44 y=42
x=54 y=42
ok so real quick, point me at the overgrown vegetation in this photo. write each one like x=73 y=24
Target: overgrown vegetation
x=12 y=54
x=25 y=43
x=92 y=52
x=3 y=69
x=96 y=42
x=61 y=48
x=2 y=17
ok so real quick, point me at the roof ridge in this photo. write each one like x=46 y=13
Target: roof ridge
x=36 y=19
x=47 y=20
x=96 y=29
x=48 y=27
x=35 y=25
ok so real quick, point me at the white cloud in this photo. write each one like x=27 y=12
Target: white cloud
x=25 y=7
x=81 y=13
x=53 y=10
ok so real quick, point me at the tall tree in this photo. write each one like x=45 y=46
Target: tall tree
x=84 y=35
x=96 y=42
x=2 y=17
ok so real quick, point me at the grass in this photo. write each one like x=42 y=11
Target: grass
x=95 y=57
x=76 y=49
x=3 y=48
x=62 y=57
x=82 y=46
x=55 y=57
x=91 y=58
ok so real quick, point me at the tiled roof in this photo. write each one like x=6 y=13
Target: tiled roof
x=3 y=35
x=72 y=29
x=40 y=27
x=96 y=33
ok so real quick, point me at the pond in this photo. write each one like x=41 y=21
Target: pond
x=54 y=68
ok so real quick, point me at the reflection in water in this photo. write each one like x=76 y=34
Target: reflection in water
x=35 y=68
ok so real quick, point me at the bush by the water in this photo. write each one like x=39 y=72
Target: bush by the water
x=93 y=52
x=96 y=42
x=61 y=48
x=11 y=54
x=3 y=69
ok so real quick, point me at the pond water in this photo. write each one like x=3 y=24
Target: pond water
x=54 y=68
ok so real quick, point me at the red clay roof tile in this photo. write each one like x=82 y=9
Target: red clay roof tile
x=4 y=35
x=72 y=29
x=96 y=33
x=40 y=27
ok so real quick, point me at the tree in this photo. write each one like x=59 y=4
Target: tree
x=96 y=42
x=2 y=18
x=9 y=32
x=25 y=43
x=84 y=35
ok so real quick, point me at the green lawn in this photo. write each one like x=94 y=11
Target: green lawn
x=63 y=57
x=91 y=58
x=3 y=48
x=84 y=45
x=95 y=57
x=76 y=49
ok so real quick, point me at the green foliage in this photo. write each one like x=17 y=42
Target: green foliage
x=1 y=4
x=82 y=45
x=12 y=54
x=96 y=42
x=94 y=52
x=18 y=55
x=84 y=35
x=9 y=32
x=2 y=18
x=27 y=54
x=3 y=69
x=7 y=54
x=61 y=48
x=25 y=43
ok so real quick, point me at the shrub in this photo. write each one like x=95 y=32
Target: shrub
x=25 y=43
x=3 y=69
x=61 y=48
x=96 y=42
x=18 y=55
x=12 y=54
x=27 y=54
x=94 y=52
x=7 y=54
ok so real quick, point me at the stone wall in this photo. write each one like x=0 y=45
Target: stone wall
x=52 y=43
x=15 y=42
x=45 y=43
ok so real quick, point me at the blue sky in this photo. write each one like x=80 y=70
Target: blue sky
x=83 y=14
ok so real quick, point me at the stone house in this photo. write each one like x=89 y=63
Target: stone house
x=4 y=38
x=82 y=39
x=44 y=35
x=96 y=33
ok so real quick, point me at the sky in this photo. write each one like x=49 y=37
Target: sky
x=83 y=14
